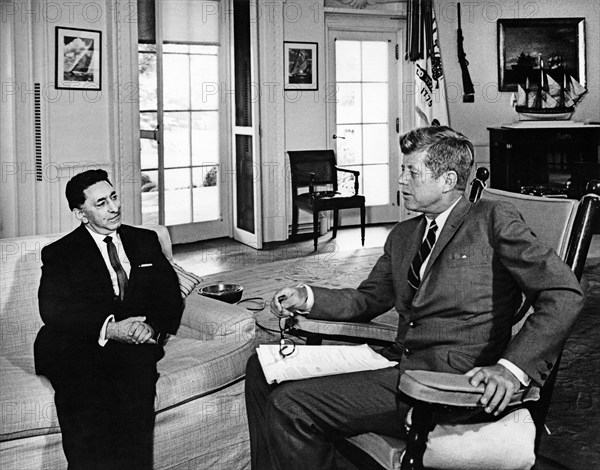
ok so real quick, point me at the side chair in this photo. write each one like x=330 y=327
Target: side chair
x=565 y=225
x=317 y=171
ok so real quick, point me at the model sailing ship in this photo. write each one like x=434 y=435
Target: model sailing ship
x=548 y=98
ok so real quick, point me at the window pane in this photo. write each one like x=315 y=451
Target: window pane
x=149 y=154
x=242 y=63
x=202 y=49
x=149 y=197
x=148 y=121
x=206 y=193
x=376 y=143
x=349 y=149
x=177 y=139
x=376 y=184
x=347 y=61
x=147 y=77
x=374 y=61
x=205 y=73
x=346 y=182
x=348 y=103
x=176 y=48
x=375 y=101
x=205 y=137
x=176 y=86
x=244 y=183
x=178 y=200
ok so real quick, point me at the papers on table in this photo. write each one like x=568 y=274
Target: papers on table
x=318 y=361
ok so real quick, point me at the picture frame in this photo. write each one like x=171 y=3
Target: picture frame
x=78 y=59
x=556 y=43
x=301 y=65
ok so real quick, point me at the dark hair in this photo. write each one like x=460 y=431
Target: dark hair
x=80 y=182
x=446 y=150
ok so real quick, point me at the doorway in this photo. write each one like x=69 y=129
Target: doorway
x=182 y=57
x=365 y=117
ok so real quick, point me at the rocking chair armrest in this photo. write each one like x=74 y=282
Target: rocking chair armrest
x=373 y=332
x=453 y=390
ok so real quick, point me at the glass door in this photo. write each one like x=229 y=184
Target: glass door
x=183 y=153
x=364 y=122
x=247 y=220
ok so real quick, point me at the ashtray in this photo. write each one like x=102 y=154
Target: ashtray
x=230 y=293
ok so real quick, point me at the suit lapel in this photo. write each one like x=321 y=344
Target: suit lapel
x=129 y=245
x=454 y=221
x=88 y=252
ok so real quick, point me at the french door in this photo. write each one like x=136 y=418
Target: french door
x=364 y=119
x=183 y=66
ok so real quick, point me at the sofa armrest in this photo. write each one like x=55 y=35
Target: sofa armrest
x=208 y=319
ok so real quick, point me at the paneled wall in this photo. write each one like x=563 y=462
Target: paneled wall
x=50 y=134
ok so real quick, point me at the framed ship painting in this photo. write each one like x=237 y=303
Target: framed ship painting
x=526 y=47
x=78 y=59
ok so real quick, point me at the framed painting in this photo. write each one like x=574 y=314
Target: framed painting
x=301 y=65
x=78 y=59
x=526 y=46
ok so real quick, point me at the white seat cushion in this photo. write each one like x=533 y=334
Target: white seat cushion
x=506 y=444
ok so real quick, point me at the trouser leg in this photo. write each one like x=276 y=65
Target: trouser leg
x=80 y=396
x=105 y=405
x=133 y=379
x=257 y=394
x=294 y=425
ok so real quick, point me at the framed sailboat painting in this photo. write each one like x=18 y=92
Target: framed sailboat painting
x=78 y=59
x=530 y=48
x=300 y=65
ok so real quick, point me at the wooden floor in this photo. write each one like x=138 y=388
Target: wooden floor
x=574 y=417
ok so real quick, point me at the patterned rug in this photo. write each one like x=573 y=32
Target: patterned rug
x=574 y=418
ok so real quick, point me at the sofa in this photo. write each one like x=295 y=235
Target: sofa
x=200 y=408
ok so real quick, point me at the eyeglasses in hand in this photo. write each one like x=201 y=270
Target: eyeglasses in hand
x=286 y=345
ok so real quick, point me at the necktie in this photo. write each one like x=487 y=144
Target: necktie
x=116 y=264
x=414 y=278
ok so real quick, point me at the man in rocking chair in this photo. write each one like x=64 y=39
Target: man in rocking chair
x=455 y=275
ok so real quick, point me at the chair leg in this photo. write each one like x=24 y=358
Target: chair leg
x=336 y=214
x=362 y=225
x=295 y=211
x=315 y=228
x=416 y=442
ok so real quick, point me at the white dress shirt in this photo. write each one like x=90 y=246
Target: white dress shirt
x=103 y=247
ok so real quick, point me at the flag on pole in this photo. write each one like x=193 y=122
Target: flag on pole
x=423 y=49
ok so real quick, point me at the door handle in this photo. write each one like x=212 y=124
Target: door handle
x=398 y=198
x=338 y=137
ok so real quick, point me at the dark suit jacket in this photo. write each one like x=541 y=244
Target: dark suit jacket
x=76 y=293
x=461 y=315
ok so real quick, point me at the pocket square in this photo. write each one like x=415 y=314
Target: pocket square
x=145 y=265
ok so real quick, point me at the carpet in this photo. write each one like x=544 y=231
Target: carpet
x=574 y=417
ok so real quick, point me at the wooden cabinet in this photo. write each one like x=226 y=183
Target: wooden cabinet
x=528 y=155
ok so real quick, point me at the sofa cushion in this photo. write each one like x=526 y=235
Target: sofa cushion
x=187 y=280
x=27 y=400
x=193 y=368
x=20 y=272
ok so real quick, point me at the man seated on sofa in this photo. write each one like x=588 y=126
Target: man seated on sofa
x=107 y=297
x=455 y=276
